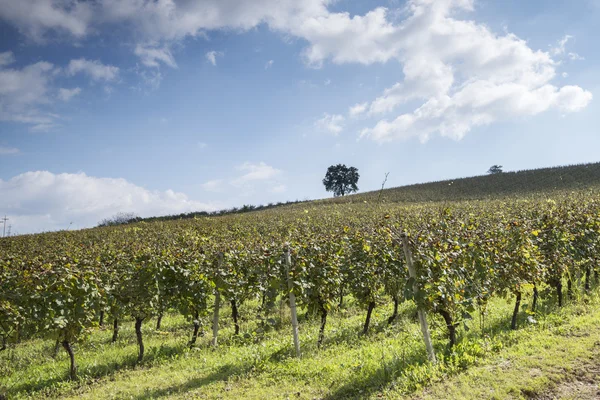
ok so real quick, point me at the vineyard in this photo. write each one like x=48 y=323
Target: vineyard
x=275 y=271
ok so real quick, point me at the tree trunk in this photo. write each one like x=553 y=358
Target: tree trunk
x=587 y=278
x=73 y=368
x=216 y=318
x=394 y=315
x=159 y=321
x=234 y=315
x=341 y=303
x=569 y=288
x=451 y=327
x=3 y=343
x=559 y=293
x=101 y=322
x=368 y=320
x=115 y=330
x=196 y=329
x=57 y=345
x=535 y=297
x=138 y=334
x=513 y=322
x=323 y=322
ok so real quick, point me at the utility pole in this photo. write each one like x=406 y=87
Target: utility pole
x=4 y=227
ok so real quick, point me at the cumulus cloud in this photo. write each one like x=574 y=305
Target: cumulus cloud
x=68 y=94
x=357 y=109
x=331 y=123
x=35 y=17
x=465 y=76
x=444 y=57
x=269 y=64
x=41 y=200
x=151 y=56
x=94 y=69
x=23 y=91
x=212 y=55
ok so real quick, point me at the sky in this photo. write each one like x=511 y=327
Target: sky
x=160 y=107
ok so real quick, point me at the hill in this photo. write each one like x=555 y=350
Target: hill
x=517 y=183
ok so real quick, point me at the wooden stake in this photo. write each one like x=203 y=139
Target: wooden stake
x=217 y=305
x=422 y=316
x=288 y=265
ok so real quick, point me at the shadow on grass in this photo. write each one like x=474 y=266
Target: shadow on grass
x=97 y=371
x=363 y=386
x=222 y=374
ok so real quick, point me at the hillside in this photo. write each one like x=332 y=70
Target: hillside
x=518 y=183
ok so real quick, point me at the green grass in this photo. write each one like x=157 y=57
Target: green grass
x=389 y=362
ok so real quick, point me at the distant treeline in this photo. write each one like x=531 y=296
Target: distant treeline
x=129 y=218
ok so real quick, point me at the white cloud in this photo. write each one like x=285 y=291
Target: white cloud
x=269 y=64
x=23 y=91
x=479 y=103
x=202 y=145
x=561 y=46
x=331 y=123
x=357 y=109
x=576 y=57
x=35 y=17
x=151 y=56
x=151 y=78
x=444 y=56
x=561 y=49
x=41 y=200
x=6 y=58
x=8 y=150
x=464 y=76
x=254 y=172
x=212 y=55
x=44 y=127
x=94 y=69
x=68 y=94
x=215 y=185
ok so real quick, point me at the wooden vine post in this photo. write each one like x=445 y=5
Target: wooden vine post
x=292 y=297
x=422 y=316
x=217 y=302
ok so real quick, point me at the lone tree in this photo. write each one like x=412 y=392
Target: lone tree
x=495 y=169
x=341 y=180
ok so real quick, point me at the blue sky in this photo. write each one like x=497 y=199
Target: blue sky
x=166 y=106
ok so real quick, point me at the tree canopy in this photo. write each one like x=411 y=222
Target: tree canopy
x=495 y=169
x=341 y=180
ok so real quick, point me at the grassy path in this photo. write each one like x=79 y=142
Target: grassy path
x=561 y=363
x=545 y=360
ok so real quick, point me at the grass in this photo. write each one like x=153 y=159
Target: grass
x=389 y=362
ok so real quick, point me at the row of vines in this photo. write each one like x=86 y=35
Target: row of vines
x=63 y=284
